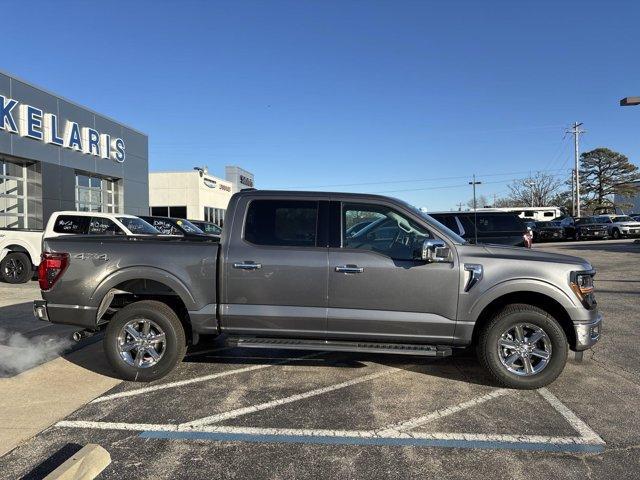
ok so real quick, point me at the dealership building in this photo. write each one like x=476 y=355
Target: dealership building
x=58 y=155
x=196 y=194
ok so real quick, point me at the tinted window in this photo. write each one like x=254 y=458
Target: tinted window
x=448 y=220
x=104 y=226
x=548 y=214
x=72 y=224
x=489 y=223
x=388 y=232
x=165 y=227
x=178 y=212
x=528 y=214
x=138 y=226
x=210 y=228
x=623 y=218
x=282 y=222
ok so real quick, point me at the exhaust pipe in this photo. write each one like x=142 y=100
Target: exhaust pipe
x=80 y=334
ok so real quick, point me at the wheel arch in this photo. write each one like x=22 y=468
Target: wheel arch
x=20 y=247
x=538 y=299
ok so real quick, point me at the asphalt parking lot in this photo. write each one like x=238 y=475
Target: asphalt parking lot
x=239 y=413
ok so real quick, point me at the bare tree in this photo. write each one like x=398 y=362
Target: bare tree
x=538 y=190
x=481 y=201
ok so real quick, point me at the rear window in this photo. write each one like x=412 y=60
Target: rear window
x=104 y=226
x=290 y=223
x=72 y=224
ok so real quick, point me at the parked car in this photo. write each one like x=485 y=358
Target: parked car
x=587 y=228
x=209 y=228
x=20 y=249
x=285 y=275
x=546 y=231
x=620 y=226
x=177 y=227
x=502 y=228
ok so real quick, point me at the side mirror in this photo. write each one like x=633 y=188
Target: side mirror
x=435 y=251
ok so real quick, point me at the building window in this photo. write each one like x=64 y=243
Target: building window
x=13 y=180
x=174 y=212
x=96 y=194
x=214 y=215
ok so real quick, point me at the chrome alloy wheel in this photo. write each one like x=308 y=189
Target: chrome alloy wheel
x=524 y=349
x=141 y=343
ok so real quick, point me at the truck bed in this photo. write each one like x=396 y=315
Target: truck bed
x=98 y=265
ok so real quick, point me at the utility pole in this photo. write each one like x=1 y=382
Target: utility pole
x=475 y=210
x=530 y=184
x=575 y=130
x=459 y=205
x=573 y=198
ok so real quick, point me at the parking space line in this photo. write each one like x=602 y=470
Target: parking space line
x=283 y=401
x=487 y=442
x=180 y=383
x=578 y=425
x=424 y=419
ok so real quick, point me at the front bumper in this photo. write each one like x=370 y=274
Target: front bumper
x=78 y=315
x=588 y=334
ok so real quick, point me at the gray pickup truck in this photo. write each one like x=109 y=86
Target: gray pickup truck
x=323 y=271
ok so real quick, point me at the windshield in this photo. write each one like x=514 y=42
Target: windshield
x=447 y=231
x=187 y=226
x=137 y=226
x=211 y=228
x=623 y=218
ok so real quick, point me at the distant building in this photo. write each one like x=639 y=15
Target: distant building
x=634 y=201
x=195 y=194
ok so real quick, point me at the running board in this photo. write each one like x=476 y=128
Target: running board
x=341 y=346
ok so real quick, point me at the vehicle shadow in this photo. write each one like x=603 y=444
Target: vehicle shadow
x=604 y=246
x=52 y=462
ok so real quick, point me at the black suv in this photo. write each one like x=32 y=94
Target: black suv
x=590 y=228
x=493 y=227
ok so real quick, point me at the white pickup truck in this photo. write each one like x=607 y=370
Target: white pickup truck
x=20 y=249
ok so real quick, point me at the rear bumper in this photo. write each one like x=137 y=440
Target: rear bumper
x=588 y=334
x=78 y=315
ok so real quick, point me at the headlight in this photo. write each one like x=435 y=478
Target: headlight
x=582 y=285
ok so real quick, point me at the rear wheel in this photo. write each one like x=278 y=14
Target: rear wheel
x=16 y=268
x=523 y=347
x=144 y=341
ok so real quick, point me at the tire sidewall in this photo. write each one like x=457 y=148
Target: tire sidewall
x=557 y=337
x=27 y=271
x=175 y=344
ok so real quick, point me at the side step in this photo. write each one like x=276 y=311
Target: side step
x=341 y=346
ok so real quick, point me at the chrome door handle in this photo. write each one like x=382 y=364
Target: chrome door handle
x=247 y=266
x=349 y=269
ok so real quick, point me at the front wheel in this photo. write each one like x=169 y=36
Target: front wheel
x=144 y=341
x=616 y=234
x=523 y=347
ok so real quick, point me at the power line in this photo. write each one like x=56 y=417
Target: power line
x=432 y=179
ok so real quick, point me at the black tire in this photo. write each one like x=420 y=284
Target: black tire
x=576 y=236
x=16 y=268
x=174 y=347
x=615 y=234
x=511 y=315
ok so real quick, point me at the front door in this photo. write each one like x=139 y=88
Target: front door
x=275 y=272
x=379 y=290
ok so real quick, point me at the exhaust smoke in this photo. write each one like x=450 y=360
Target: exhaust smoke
x=19 y=353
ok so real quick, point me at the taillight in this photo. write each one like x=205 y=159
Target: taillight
x=52 y=266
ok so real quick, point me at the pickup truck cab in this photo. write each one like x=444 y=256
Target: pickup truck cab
x=20 y=249
x=290 y=272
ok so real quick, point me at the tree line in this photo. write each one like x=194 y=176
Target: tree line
x=604 y=174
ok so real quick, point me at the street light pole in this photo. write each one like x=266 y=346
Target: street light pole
x=475 y=210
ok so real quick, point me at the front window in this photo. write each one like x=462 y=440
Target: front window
x=137 y=226
x=96 y=194
x=388 y=232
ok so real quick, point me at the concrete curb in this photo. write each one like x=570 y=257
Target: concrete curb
x=86 y=464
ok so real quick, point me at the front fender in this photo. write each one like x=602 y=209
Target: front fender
x=144 y=273
x=522 y=285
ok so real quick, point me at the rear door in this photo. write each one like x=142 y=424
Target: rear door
x=275 y=268
x=378 y=290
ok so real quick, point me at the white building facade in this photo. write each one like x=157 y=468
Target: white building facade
x=195 y=194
